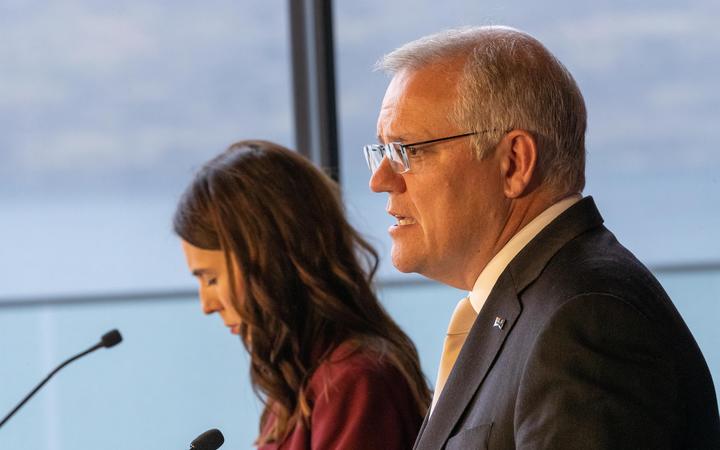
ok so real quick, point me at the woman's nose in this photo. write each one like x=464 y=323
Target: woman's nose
x=209 y=303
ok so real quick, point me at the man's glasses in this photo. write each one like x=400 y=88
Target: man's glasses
x=400 y=155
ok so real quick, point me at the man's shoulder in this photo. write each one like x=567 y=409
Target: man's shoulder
x=596 y=262
x=596 y=266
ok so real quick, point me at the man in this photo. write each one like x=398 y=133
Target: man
x=565 y=340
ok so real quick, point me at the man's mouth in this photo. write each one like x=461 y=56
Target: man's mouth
x=402 y=220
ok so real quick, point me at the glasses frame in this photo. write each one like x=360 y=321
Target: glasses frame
x=401 y=150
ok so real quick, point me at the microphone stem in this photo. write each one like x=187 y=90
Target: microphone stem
x=42 y=383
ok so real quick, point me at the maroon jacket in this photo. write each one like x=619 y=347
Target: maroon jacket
x=359 y=401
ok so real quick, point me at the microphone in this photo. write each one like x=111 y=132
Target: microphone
x=209 y=440
x=109 y=339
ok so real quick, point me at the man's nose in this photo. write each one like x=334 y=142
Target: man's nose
x=385 y=179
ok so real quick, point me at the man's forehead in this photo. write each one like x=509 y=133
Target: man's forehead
x=436 y=80
x=417 y=99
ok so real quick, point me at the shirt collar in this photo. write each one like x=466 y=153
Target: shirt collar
x=492 y=271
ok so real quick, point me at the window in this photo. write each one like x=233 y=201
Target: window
x=107 y=109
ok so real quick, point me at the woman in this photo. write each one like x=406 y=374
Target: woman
x=264 y=232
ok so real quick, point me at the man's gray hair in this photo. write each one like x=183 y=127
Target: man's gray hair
x=509 y=81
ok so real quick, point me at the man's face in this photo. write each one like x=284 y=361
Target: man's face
x=450 y=206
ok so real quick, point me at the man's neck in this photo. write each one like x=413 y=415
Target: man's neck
x=519 y=213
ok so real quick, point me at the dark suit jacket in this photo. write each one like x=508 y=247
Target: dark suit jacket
x=592 y=354
x=360 y=401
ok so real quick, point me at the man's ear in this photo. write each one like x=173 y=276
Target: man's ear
x=519 y=162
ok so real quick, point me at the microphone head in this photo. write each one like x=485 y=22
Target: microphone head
x=111 y=338
x=209 y=440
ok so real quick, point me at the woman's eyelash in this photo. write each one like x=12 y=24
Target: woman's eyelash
x=212 y=281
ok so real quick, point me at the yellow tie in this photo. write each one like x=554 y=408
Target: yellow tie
x=458 y=329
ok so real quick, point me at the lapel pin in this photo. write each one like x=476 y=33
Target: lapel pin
x=499 y=322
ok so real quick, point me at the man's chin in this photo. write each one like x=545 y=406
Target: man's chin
x=404 y=262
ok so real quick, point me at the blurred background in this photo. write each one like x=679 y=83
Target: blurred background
x=107 y=108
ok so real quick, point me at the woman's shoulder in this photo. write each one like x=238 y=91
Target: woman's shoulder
x=358 y=364
x=361 y=400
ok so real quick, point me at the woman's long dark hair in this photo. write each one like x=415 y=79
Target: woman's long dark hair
x=300 y=273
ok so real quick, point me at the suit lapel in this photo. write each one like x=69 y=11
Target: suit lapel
x=485 y=339
x=530 y=262
x=422 y=429
x=474 y=361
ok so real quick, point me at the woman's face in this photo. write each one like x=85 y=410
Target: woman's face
x=211 y=271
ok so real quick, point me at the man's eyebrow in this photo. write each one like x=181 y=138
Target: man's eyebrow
x=391 y=139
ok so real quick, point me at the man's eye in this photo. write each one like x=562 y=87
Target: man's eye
x=412 y=152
